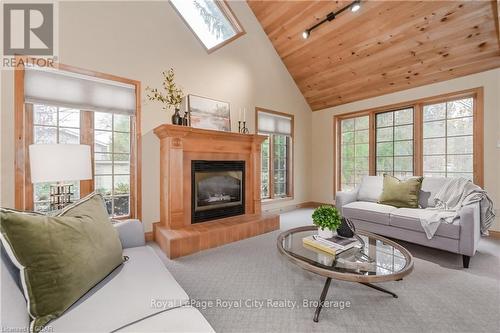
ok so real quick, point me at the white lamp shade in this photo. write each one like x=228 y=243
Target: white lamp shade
x=60 y=162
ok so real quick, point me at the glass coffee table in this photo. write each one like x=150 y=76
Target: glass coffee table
x=377 y=259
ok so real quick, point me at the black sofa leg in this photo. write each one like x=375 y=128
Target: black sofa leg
x=466 y=260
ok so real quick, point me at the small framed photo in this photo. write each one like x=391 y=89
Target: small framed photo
x=207 y=113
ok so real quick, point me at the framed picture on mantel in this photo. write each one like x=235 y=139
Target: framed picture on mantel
x=207 y=113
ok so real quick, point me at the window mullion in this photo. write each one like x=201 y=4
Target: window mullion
x=112 y=165
x=87 y=138
x=271 y=166
x=372 y=138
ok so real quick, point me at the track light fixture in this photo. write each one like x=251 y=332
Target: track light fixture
x=354 y=6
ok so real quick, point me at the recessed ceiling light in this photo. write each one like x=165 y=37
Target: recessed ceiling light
x=305 y=34
x=355 y=7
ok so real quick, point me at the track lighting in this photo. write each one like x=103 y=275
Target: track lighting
x=354 y=6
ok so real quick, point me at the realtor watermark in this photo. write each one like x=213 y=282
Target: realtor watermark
x=250 y=303
x=9 y=329
x=29 y=33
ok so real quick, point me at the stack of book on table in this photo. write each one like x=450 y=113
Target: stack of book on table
x=334 y=245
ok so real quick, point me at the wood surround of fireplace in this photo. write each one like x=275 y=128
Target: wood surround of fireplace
x=179 y=146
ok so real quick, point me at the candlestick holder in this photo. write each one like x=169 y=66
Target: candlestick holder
x=242 y=129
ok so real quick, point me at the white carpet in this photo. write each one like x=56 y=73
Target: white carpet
x=438 y=296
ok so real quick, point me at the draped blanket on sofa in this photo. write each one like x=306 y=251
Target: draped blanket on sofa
x=456 y=193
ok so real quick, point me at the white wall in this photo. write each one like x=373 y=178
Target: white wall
x=139 y=41
x=322 y=130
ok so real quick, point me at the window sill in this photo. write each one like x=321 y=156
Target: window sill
x=275 y=200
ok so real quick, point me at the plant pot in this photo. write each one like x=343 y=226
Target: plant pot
x=176 y=118
x=327 y=233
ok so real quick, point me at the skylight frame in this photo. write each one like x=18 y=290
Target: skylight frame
x=229 y=15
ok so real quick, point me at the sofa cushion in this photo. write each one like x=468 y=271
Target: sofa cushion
x=124 y=296
x=60 y=258
x=430 y=186
x=401 y=193
x=368 y=211
x=409 y=218
x=370 y=188
x=179 y=320
x=14 y=316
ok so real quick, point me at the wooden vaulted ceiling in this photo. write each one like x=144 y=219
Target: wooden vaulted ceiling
x=386 y=46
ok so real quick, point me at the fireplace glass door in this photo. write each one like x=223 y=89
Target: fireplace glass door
x=218 y=189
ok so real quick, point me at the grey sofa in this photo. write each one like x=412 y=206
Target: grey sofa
x=360 y=206
x=139 y=296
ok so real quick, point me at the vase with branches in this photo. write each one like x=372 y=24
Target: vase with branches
x=171 y=98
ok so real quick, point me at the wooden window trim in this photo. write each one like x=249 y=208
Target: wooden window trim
x=417 y=105
x=24 y=137
x=290 y=159
x=231 y=17
x=393 y=126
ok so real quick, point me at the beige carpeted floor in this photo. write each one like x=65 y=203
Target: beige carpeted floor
x=438 y=296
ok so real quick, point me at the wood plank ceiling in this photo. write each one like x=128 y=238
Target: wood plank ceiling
x=386 y=46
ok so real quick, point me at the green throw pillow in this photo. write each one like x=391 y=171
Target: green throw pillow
x=399 y=193
x=60 y=257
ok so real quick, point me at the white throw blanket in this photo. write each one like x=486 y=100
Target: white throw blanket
x=456 y=193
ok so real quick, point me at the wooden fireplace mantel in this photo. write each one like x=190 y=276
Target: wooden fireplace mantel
x=179 y=145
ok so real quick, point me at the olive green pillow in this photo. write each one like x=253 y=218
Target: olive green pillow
x=60 y=257
x=399 y=193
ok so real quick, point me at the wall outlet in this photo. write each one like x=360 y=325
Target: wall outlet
x=498 y=144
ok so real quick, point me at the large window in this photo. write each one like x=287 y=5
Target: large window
x=70 y=106
x=276 y=154
x=394 y=138
x=354 y=150
x=448 y=138
x=434 y=137
x=212 y=21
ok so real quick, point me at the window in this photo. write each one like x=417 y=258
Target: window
x=354 y=149
x=112 y=161
x=72 y=106
x=52 y=124
x=437 y=136
x=394 y=138
x=212 y=21
x=448 y=138
x=276 y=154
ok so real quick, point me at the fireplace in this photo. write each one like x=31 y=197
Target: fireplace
x=217 y=189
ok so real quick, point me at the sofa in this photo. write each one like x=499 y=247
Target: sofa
x=139 y=296
x=361 y=207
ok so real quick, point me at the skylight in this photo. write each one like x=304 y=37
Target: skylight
x=210 y=20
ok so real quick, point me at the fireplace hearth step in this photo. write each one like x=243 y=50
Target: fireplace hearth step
x=196 y=237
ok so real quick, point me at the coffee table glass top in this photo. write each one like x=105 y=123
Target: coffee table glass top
x=375 y=257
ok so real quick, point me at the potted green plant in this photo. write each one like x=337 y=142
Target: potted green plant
x=327 y=219
x=172 y=98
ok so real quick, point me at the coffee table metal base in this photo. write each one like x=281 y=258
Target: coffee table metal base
x=325 y=292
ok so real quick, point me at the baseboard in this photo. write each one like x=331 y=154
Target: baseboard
x=494 y=234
